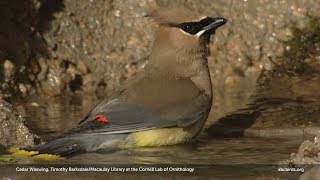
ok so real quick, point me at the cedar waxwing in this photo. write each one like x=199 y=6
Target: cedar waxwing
x=166 y=103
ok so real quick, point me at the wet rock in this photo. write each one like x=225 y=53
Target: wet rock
x=15 y=80
x=82 y=68
x=8 y=70
x=13 y=133
x=22 y=43
x=43 y=68
x=100 y=39
x=53 y=82
x=308 y=153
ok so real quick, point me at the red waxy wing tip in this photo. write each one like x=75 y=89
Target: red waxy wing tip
x=100 y=118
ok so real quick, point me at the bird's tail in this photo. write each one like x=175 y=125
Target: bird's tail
x=65 y=147
x=72 y=145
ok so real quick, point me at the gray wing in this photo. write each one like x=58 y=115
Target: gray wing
x=117 y=116
x=185 y=114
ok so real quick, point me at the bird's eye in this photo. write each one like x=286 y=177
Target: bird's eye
x=191 y=28
x=187 y=28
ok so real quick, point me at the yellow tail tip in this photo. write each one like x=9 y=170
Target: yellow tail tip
x=19 y=152
x=33 y=154
x=48 y=157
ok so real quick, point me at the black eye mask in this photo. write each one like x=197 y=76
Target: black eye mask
x=193 y=27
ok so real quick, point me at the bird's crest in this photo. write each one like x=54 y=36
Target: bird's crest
x=166 y=16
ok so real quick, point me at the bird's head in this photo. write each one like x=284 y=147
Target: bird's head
x=182 y=31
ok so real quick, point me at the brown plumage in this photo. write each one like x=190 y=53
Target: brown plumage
x=166 y=103
x=165 y=16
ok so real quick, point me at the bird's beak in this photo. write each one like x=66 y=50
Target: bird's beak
x=214 y=24
x=210 y=25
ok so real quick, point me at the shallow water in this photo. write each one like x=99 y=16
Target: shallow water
x=238 y=139
x=216 y=155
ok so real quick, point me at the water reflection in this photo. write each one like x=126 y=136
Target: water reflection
x=48 y=117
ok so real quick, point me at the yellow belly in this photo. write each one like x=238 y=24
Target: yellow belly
x=160 y=137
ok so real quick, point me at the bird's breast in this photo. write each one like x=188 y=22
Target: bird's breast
x=161 y=92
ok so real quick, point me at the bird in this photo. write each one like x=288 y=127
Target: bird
x=166 y=103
